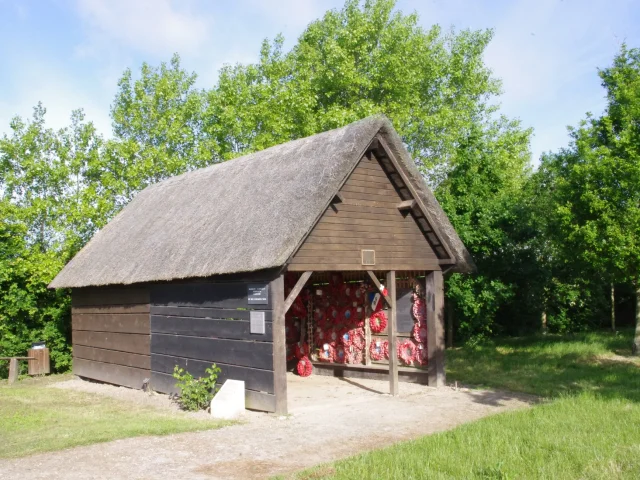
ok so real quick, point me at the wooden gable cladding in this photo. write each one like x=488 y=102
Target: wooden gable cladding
x=367 y=217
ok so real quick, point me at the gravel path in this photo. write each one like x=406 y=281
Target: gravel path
x=330 y=419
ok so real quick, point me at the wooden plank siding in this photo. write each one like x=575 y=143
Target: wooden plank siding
x=367 y=218
x=111 y=335
x=195 y=324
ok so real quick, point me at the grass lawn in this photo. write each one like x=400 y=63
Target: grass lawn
x=588 y=427
x=36 y=418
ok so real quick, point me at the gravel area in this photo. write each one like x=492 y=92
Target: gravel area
x=329 y=419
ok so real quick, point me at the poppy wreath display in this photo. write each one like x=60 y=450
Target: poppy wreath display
x=318 y=315
x=378 y=322
x=333 y=315
x=320 y=336
x=302 y=350
x=348 y=314
x=421 y=354
x=407 y=352
x=354 y=355
x=326 y=353
x=348 y=291
x=333 y=336
x=341 y=354
x=304 y=367
x=379 y=349
x=419 y=310
x=346 y=338
x=357 y=338
x=360 y=293
x=420 y=333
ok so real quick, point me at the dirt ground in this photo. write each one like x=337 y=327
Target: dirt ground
x=329 y=419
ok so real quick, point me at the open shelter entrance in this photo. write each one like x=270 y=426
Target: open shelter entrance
x=366 y=324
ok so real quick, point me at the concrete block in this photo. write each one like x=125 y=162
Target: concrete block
x=229 y=401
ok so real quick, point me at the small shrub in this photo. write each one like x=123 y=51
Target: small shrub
x=196 y=394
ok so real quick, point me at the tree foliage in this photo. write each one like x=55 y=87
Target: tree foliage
x=594 y=183
x=547 y=242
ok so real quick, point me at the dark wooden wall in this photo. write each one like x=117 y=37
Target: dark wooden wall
x=111 y=335
x=367 y=218
x=196 y=324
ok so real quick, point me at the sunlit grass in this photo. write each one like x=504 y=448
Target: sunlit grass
x=588 y=428
x=35 y=418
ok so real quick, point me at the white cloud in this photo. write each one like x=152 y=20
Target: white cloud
x=157 y=27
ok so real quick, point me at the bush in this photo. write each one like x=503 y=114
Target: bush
x=196 y=394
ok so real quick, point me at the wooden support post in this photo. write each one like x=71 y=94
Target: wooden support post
x=392 y=331
x=367 y=341
x=434 y=295
x=376 y=282
x=13 y=370
x=296 y=291
x=279 y=345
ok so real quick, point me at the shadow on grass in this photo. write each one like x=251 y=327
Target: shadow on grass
x=550 y=366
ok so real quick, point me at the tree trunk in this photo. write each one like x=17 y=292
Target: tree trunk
x=450 y=324
x=613 y=308
x=635 y=349
x=543 y=321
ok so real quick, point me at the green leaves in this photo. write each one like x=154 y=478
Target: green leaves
x=196 y=394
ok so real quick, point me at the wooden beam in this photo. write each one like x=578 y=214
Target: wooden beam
x=434 y=293
x=279 y=344
x=296 y=291
x=374 y=145
x=376 y=282
x=400 y=169
x=407 y=205
x=392 y=331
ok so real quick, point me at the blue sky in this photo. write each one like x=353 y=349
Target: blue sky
x=70 y=53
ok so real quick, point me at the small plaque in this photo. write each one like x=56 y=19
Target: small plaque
x=258 y=294
x=256 y=321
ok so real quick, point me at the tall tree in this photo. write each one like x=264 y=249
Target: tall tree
x=596 y=181
x=157 y=122
x=368 y=58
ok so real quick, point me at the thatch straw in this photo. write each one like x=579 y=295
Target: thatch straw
x=243 y=215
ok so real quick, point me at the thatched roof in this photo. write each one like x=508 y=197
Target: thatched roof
x=247 y=214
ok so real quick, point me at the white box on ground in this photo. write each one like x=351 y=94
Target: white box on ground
x=229 y=401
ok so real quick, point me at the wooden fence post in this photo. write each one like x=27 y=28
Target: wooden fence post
x=13 y=370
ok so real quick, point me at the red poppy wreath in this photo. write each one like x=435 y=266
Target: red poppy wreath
x=304 y=367
x=378 y=322
x=407 y=352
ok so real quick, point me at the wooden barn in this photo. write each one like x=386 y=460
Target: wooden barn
x=323 y=253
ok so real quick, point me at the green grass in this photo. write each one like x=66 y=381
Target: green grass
x=35 y=418
x=587 y=428
x=552 y=365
